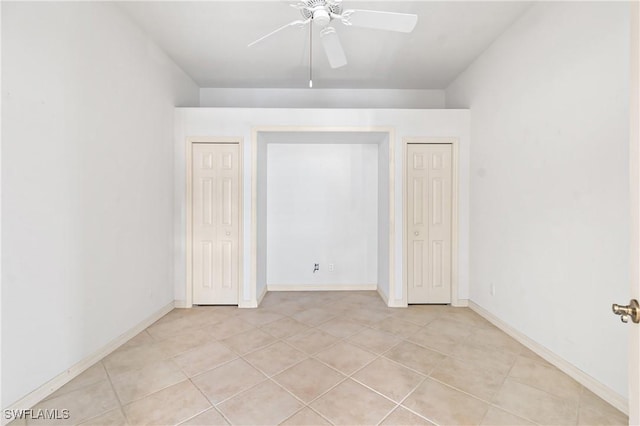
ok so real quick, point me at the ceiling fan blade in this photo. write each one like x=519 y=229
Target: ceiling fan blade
x=333 y=47
x=390 y=21
x=290 y=24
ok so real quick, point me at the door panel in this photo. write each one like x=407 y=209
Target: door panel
x=216 y=223
x=429 y=223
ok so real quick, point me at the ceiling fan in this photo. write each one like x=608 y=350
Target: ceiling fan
x=323 y=12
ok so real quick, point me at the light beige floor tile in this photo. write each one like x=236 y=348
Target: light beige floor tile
x=114 y=417
x=211 y=417
x=306 y=417
x=227 y=328
x=483 y=383
x=22 y=421
x=443 y=326
x=313 y=316
x=186 y=341
x=368 y=316
x=172 y=406
x=227 y=380
x=204 y=358
x=345 y=357
x=350 y=403
x=415 y=357
x=498 y=417
x=417 y=315
x=94 y=374
x=155 y=376
x=375 y=341
x=397 y=327
x=284 y=327
x=444 y=405
x=468 y=317
x=595 y=411
x=142 y=338
x=200 y=316
x=288 y=308
x=264 y=404
x=536 y=405
x=546 y=378
x=275 y=358
x=209 y=315
x=404 y=417
x=273 y=298
x=83 y=404
x=174 y=314
x=312 y=341
x=494 y=340
x=258 y=317
x=483 y=359
x=441 y=335
x=248 y=341
x=169 y=326
x=133 y=358
x=341 y=327
x=389 y=378
x=528 y=353
x=308 y=379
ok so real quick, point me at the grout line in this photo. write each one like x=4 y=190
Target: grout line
x=113 y=389
x=200 y=412
x=420 y=415
x=222 y=401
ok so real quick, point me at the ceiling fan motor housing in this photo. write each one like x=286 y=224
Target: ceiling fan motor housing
x=320 y=11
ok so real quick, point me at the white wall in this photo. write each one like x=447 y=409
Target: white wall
x=88 y=104
x=322 y=98
x=549 y=180
x=240 y=122
x=322 y=207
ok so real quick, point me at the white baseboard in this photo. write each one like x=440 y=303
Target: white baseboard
x=247 y=304
x=321 y=287
x=460 y=303
x=71 y=373
x=262 y=295
x=397 y=304
x=383 y=296
x=563 y=365
x=181 y=304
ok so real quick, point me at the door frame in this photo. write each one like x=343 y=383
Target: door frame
x=189 y=209
x=633 y=339
x=455 y=300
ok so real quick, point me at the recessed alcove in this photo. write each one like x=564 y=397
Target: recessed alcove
x=323 y=197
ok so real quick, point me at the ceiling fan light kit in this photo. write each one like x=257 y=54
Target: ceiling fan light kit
x=323 y=12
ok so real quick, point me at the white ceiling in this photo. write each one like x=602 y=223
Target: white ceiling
x=208 y=40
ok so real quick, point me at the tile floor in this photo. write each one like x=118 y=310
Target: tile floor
x=320 y=358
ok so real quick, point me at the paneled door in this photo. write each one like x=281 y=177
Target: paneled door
x=216 y=223
x=428 y=218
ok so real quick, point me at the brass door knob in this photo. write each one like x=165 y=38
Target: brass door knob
x=632 y=310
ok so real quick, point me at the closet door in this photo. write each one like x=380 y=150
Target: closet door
x=216 y=218
x=429 y=223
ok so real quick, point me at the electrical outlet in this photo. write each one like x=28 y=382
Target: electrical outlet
x=331 y=267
